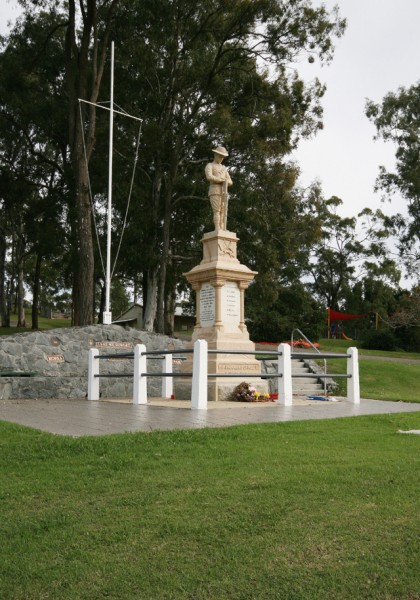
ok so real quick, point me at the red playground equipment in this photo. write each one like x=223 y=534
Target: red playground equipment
x=335 y=330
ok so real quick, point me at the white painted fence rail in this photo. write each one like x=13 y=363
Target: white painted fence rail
x=139 y=375
x=200 y=374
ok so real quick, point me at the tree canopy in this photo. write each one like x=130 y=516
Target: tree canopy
x=397 y=120
x=197 y=73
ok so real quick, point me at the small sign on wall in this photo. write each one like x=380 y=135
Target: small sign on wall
x=55 y=358
x=125 y=345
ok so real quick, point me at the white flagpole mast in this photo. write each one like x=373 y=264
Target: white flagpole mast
x=107 y=315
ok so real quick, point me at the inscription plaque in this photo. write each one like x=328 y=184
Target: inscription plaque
x=125 y=345
x=231 y=303
x=55 y=358
x=207 y=305
x=239 y=368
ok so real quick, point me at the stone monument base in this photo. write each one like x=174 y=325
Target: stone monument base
x=220 y=281
x=218 y=389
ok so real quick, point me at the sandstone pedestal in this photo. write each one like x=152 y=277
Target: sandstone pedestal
x=220 y=281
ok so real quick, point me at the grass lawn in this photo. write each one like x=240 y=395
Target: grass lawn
x=381 y=380
x=299 y=510
x=43 y=323
x=342 y=345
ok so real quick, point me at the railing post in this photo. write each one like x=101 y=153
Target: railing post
x=139 y=379
x=199 y=377
x=353 y=383
x=167 y=382
x=284 y=368
x=93 y=382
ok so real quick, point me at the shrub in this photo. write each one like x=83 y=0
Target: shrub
x=380 y=339
x=408 y=338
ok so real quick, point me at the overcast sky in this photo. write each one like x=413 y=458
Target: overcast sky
x=379 y=52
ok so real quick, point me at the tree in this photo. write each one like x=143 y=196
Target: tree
x=397 y=119
x=408 y=312
x=345 y=254
x=293 y=308
x=202 y=75
x=87 y=37
x=83 y=30
x=31 y=150
x=197 y=73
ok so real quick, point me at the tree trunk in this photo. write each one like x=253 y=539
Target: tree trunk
x=150 y=308
x=8 y=302
x=84 y=70
x=35 y=291
x=151 y=276
x=160 y=321
x=101 y=304
x=166 y=238
x=170 y=307
x=20 y=299
x=20 y=291
x=85 y=268
x=3 y=304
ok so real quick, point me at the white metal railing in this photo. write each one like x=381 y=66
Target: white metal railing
x=200 y=373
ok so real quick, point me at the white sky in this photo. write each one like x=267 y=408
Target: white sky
x=9 y=10
x=379 y=52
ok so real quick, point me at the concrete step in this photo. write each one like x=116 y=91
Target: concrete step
x=305 y=386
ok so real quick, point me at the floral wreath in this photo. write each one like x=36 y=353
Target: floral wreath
x=245 y=392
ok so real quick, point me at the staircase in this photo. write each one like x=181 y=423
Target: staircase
x=305 y=386
x=302 y=386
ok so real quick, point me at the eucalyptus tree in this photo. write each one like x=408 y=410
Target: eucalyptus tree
x=397 y=120
x=32 y=147
x=82 y=30
x=198 y=73
x=350 y=249
x=213 y=72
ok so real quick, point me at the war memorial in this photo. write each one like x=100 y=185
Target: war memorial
x=220 y=281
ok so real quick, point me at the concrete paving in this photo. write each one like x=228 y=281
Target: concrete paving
x=83 y=417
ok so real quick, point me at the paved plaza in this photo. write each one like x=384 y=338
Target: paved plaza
x=83 y=417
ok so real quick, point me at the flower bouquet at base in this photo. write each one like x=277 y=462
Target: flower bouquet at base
x=245 y=392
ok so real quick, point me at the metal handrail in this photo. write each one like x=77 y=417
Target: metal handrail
x=316 y=350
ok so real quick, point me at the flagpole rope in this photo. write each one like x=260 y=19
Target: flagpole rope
x=129 y=199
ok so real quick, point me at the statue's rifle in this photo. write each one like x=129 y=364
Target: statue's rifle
x=225 y=200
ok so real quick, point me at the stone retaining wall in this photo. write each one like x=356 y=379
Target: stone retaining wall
x=60 y=359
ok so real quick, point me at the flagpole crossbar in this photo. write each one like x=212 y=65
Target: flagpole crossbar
x=119 y=112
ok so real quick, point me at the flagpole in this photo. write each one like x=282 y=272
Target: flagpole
x=107 y=315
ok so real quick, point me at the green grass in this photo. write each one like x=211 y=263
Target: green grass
x=303 y=510
x=43 y=323
x=381 y=380
x=342 y=345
